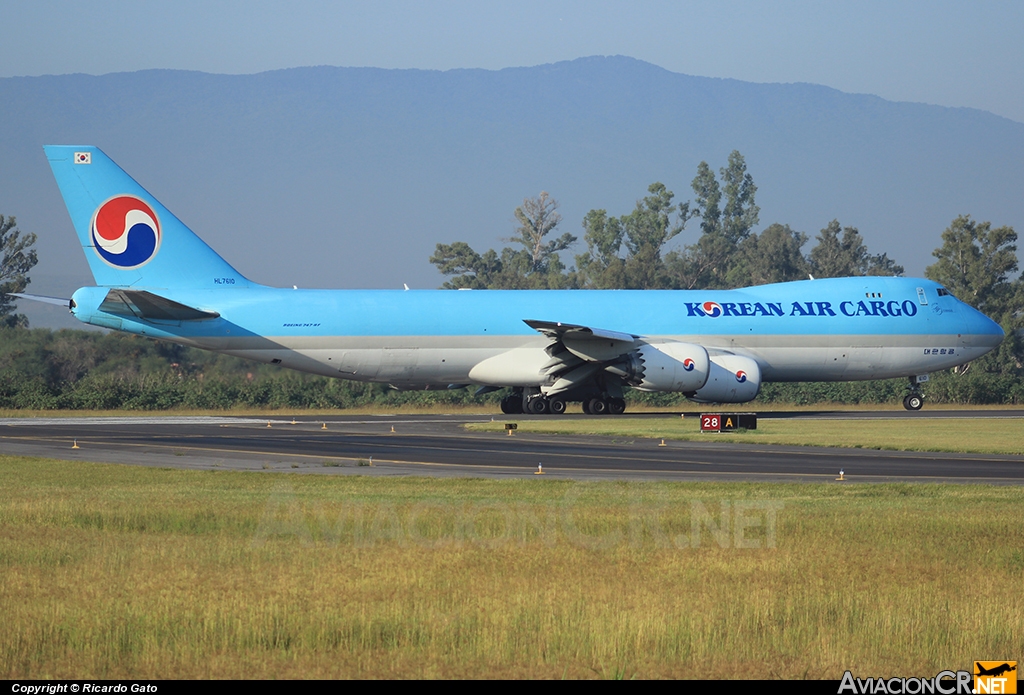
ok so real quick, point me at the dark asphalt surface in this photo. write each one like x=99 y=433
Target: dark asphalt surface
x=438 y=445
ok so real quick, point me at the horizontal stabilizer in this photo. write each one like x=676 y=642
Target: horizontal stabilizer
x=151 y=307
x=66 y=303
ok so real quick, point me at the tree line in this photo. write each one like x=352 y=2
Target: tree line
x=633 y=251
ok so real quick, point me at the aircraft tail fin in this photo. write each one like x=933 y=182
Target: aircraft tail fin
x=129 y=238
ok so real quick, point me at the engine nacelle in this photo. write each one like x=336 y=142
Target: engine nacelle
x=664 y=367
x=733 y=379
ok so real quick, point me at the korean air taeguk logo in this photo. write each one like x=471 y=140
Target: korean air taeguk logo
x=125 y=232
x=711 y=309
x=689 y=364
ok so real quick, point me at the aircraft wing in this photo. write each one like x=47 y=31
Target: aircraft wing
x=152 y=307
x=559 y=330
x=578 y=352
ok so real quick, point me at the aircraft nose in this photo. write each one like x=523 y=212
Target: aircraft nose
x=984 y=330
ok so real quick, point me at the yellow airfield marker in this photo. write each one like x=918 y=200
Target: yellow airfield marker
x=841 y=475
x=662 y=443
x=293 y=421
x=540 y=470
x=75 y=446
x=392 y=429
x=324 y=427
x=268 y=423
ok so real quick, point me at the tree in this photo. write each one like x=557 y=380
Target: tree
x=601 y=266
x=534 y=266
x=644 y=232
x=16 y=259
x=537 y=218
x=772 y=256
x=728 y=214
x=847 y=255
x=975 y=263
x=469 y=268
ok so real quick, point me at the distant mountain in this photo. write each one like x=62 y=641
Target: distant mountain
x=348 y=177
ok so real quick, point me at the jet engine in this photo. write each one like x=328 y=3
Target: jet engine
x=733 y=379
x=664 y=367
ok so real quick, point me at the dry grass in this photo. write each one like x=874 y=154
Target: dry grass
x=257 y=412
x=117 y=571
x=985 y=436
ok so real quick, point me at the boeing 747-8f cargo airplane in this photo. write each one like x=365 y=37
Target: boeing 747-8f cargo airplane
x=156 y=278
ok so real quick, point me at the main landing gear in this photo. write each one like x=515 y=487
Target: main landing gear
x=535 y=404
x=604 y=406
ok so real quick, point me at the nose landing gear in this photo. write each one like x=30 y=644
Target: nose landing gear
x=915 y=399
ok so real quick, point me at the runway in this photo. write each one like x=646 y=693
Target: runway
x=438 y=445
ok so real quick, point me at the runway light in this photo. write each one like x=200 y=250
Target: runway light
x=540 y=469
x=76 y=445
x=268 y=423
x=324 y=427
x=293 y=421
x=662 y=443
x=841 y=475
x=392 y=429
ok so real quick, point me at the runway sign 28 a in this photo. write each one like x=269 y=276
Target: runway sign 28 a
x=727 y=422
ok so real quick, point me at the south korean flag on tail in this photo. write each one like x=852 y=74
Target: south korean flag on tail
x=83 y=157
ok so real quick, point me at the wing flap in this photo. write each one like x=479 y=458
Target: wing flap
x=557 y=329
x=585 y=342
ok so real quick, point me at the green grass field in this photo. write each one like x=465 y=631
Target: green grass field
x=1003 y=436
x=116 y=571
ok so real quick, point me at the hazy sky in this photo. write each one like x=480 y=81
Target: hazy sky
x=938 y=52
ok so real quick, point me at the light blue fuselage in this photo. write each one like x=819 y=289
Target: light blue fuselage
x=820 y=330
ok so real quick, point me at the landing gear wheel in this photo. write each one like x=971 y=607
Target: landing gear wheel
x=598 y=406
x=512 y=405
x=537 y=406
x=556 y=406
x=586 y=407
x=616 y=406
x=913 y=402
